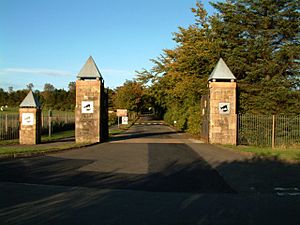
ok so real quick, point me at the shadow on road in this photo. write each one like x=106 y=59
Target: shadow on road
x=180 y=188
x=141 y=134
x=171 y=168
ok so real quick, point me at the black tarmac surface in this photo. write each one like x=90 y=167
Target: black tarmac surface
x=149 y=175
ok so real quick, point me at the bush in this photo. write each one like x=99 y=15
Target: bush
x=112 y=119
x=194 y=120
x=177 y=114
x=187 y=118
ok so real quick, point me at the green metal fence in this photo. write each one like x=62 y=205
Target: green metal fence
x=9 y=125
x=268 y=130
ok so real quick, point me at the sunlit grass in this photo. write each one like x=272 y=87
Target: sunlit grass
x=285 y=153
x=10 y=150
x=58 y=135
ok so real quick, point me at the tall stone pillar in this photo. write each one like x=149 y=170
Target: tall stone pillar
x=222 y=107
x=30 y=120
x=89 y=109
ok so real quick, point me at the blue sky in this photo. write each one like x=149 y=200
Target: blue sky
x=49 y=41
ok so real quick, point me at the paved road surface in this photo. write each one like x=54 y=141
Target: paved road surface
x=149 y=175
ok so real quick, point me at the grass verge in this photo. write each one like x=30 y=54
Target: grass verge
x=45 y=138
x=12 y=147
x=36 y=149
x=290 y=153
x=115 y=131
x=58 y=136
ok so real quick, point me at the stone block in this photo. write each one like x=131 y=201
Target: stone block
x=30 y=126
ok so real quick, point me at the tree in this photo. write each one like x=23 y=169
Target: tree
x=48 y=96
x=179 y=76
x=72 y=86
x=71 y=99
x=30 y=86
x=3 y=97
x=48 y=87
x=10 y=89
x=260 y=43
x=129 y=96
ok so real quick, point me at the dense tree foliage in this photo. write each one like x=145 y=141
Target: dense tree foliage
x=258 y=39
x=50 y=97
x=128 y=96
x=260 y=42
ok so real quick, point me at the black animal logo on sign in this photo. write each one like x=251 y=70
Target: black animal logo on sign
x=224 y=108
x=87 y=107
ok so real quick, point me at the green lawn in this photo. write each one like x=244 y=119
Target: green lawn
x=290 y=153
x=115 y=131
x=11 y=147
x=9 y=150
x=45 y=138
x=59 y=135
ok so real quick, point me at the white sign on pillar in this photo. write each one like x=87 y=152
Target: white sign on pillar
x=87 y=106
x=27 y=119
x=224 y=108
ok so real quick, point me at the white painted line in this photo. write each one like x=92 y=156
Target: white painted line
x=154 y=123
x=286 y=189
x=143 y=123
x=149 y=123
x=288 y=193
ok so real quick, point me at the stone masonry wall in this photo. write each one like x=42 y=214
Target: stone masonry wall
x=30 y=134
x=222 y=127
x=87 y=125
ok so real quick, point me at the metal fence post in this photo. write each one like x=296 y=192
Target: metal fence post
x=50 y=122
x=42 y=118
x=6 y=124
x=273 y=131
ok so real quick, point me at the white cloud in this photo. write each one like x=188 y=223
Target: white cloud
x=48 y=72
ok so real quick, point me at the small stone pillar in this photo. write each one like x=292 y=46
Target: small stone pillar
x=30 y=120
x=90 y=113
x=222 y=107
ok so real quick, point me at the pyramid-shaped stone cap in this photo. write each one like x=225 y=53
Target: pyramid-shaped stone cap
x=221 y=72
x=30 y=101
x=89 y=70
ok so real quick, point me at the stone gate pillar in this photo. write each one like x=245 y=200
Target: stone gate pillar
x=30 y=120
x=90 y=105
x=222 y=107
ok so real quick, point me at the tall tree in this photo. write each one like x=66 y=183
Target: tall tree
x=129 y=96
x=179 y=76
x=48 y=87
x=30 y=86
x=72 y=86
x=260 y=43
x=10 y=89
x=48 y=96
